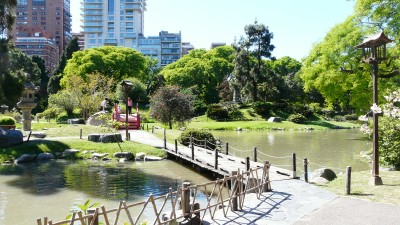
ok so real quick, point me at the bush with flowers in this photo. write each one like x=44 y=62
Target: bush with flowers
x=389 y=130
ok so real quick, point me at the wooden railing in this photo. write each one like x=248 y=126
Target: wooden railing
x=228 y=193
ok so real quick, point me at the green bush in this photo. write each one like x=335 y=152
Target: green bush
x=280 y=106
x=7 y=120
x=198 y=137
x=262 y=108
x=236 y=115
x=351 y=117
x=297 y=118
x=199 y=108
x=217 y=112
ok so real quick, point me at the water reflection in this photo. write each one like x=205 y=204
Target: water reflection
x=332 y=148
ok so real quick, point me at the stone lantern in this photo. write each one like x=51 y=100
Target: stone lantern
x=27 y=103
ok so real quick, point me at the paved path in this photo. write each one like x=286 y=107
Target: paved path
x=297 y=202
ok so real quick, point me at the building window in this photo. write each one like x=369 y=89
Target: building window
x=111 y=6
x=34 y=13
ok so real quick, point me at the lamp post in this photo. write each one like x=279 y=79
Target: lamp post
x=374 y=51
x=126 y=86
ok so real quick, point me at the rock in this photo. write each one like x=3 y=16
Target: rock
x=106 y=138
x=105 y=159
x=324 y=173
x=239 y=129
x=125 y=155
x=319 y=180
x=6 y=163
x=45 y=156
x=39 y=135
x=85 y=152
x=94 y=119
x=140 y=155
x=10 y=137
x=94 y=137
x=152 y=158
x=76 y=121
x=99 y=155
x=25 y=158
x=275 y=119
x=70 y=152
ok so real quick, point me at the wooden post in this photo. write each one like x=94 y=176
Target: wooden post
x=235 y=189
x=165 y=139
x=185 y=201
x=216 y=159
x=152 y=129
x=305 y=162
x=267 y=185
x=90 y=220
x=255 y=154
x=29 y=136
x=205 y=143
x=294 y=166
x=129 y=136
x=348 y=180
x=247 y=163
x=192 y=151
x=80 y=134
x=226 y=148
x=176 y=146
x=147 y=127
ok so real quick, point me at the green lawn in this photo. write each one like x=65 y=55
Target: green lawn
x=389 y=192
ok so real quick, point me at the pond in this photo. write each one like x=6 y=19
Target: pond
x=35 y=190
x=334 y=149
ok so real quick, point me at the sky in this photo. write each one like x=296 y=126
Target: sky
x=296 y=24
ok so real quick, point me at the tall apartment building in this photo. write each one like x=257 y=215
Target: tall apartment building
x=112 y=22
x=53 y=17
x=121 y=23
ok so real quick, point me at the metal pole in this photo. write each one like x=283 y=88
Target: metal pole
x=305 y=161
x=348 y=180
x=294 y=165
x=216 y=159
x=247 y=163
x=165 y=139
x=255 y=154
x=126 y=117
x=376 y=180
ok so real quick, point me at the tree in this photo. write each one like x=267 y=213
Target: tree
x=7 y=19
x=87 y=94
x=333 y=68
x=137 y=92
x=44 y=79
x=202 y=70
x=153 y=79
x=12 y=80
x=250 y=51
x=113 y=62
x=54 y=82
x=170 y=106
x=64 y=100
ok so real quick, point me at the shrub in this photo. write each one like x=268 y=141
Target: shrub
x=7 y=120
x=217 y=112
x=199 y=108
x=262 y=108
x=236 y=115
x=352 y=117
x=198 y=137
x=315 y=107
x=297 y=118
x=280 y=106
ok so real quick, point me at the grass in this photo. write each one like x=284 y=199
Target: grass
x=389 y=192
x=63 y=136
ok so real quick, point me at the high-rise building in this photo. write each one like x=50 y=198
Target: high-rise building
x=217 y=44
x=33 y=41
x=112 y=22
x=186 y=48
x=53 y=17
x=171 y=47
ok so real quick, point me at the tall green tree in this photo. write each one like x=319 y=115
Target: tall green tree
x=7 y=19
x=202 y=72
x=54 y=82
x=43 y=81
x=169 y=106
x=250 y=51
x=113 y=62
x=333 y=68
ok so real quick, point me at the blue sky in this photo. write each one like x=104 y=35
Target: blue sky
x=296 y=24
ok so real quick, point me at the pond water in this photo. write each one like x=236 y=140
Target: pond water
x=35 y=190
x=334 y=149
